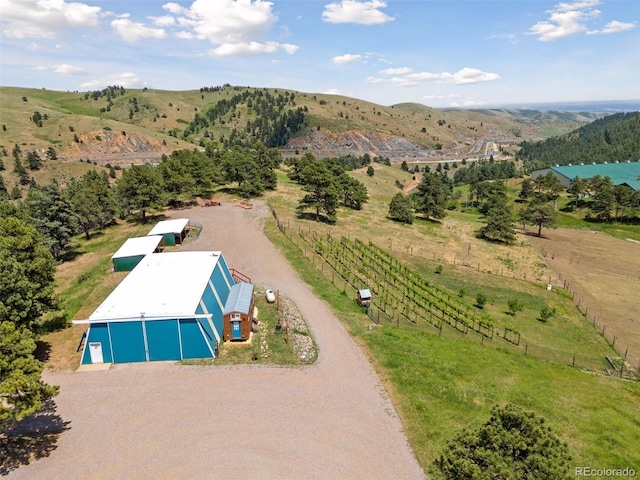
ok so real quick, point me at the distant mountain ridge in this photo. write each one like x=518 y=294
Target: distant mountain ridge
x=137 y=125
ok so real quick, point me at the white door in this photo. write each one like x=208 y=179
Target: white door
x=95 y=350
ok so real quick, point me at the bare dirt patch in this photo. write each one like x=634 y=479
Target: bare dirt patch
x=603 y=272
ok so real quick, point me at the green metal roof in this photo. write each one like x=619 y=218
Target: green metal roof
x=619 y=173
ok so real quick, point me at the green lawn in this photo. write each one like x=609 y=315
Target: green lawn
x=441 y=384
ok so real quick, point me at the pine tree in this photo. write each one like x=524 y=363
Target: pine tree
x=513 y=444
x=431 y=196
x=499 y=225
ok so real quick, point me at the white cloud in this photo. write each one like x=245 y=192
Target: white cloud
x=403 y=82
x=396 y=71
x=468 y=103
x=133 y=31
x=64 y=69
x=463 y=76
x=164 y=21
x=375 y=80
x=45 y=19
x=226 y=21
x=440 y=97
x=125 y=79
x=174 y=8
x=234 y=27
x=353 y=11
x=346 y=58
x=332 y=91
x=567 y=19
x=67 y=69
x=251 y=48
x=469 y=75
x=614 y=27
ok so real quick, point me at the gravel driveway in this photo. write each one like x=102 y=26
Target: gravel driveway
x=329 y=420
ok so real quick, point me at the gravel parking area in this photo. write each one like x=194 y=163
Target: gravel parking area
x=328 y=420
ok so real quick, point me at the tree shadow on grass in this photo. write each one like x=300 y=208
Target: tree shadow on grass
x=312 y=217
x=33 y=438
x=43 y=351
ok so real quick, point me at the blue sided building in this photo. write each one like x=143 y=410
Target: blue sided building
x=169 y=307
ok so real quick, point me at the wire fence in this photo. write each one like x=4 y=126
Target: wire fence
x=398 y=315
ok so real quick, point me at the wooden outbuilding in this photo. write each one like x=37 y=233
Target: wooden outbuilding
x=364 y=297
x=238 y=312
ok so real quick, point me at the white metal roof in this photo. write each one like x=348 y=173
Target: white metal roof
x=138 y=246
x=161 y=285
x=169 y=226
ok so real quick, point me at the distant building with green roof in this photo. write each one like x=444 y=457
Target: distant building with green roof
x=624 y=173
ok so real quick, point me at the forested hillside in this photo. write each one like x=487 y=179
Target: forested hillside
x=609 y=139
x=140 y=125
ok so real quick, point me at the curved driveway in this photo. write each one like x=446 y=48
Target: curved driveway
x=330 y=420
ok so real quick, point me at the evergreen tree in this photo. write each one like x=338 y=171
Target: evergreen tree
x=176 y=178
x=431 y=196
x=26 y=294
x=92 y=201
x=21 y=389
x=526 y=190
x=51 y=154
x=53 y=216
x=20 y=171
x=549 y=185
x=401 y=208
x=499 y=225
x=539 y=213
x=4 y=193
x=16 y=193
x=34 y=161
x=140 y=188
x=322 y=196
x=370 y=171
x=603 y=205
x=353 y=193
x=26 y=283
x=578 y=188
x=513 y=444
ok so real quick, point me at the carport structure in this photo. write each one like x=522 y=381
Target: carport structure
x=173 y=231
x=134 y=250
x=168 y=308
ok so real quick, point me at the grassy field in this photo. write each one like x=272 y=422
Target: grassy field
x=442 y=384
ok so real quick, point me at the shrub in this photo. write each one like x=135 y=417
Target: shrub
x=515 y=306
x=481 y=300
x=546 y=313
x=512 y=444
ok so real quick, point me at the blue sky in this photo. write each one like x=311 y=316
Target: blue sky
x=439 y=53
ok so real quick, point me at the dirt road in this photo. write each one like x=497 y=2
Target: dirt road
x=330 y=420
